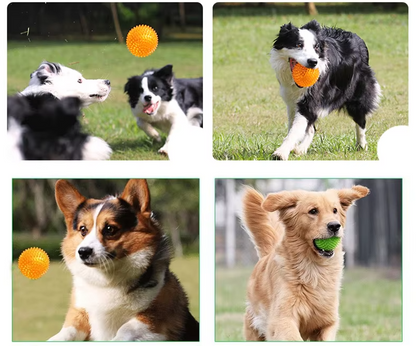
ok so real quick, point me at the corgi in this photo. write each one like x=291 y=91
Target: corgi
x=123 y=289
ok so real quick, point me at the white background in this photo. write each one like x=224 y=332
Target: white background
x=397 y=161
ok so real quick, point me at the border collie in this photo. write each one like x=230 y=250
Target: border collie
x=61 y=81
x=158 y=99
x=346 y=81
x=42 y=127
x=119 y=257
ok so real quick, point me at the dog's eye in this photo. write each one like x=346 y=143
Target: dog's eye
x=154 y=88
x=109 y=230
x=317 y=46
x=313 y=211
x=83 y=230
x=80 y=80
x=299 y=45
x=335 y=210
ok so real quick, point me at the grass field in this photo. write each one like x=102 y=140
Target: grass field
x=249 y=117
x=370 y=307
x=39 y=306
x=111 y=120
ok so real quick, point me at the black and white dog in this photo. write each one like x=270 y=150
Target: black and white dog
x=44 y=125
x=346 y=81
x=173 y=105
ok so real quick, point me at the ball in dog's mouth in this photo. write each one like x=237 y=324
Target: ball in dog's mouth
x=326 y=246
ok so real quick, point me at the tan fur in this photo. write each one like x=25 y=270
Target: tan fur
x=293 y=291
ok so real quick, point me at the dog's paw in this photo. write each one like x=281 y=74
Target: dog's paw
x=300 y=150
x=280 y=155
x=163 y=150
x=362 y=146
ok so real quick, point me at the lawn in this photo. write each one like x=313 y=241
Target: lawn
x=39 y=306
x=111 y=120
x=370 y=306
x=249 y=117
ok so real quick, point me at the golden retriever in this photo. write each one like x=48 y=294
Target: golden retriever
x=293 y=292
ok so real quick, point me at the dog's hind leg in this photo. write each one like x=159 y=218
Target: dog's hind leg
x=296 y=134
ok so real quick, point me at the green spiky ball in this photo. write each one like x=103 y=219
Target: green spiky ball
x=327 y=244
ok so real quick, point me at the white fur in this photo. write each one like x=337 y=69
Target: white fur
x=69 y=334
x=134 y=330
x=68 y=82
x=96 y=149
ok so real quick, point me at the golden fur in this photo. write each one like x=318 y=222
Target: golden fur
x=293 y=291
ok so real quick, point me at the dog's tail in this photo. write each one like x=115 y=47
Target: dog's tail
x=263 y=227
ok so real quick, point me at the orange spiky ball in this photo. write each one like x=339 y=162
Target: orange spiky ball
x=33 y=263
x=142 y=40
x=303 y=76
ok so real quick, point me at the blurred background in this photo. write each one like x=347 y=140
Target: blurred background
x=39 y=306
x=371 y=304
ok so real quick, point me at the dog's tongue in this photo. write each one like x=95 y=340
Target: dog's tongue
x=149 y=109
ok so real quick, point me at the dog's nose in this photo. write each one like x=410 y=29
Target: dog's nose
x=312 y=63
x=107 y=82
x=333 y=226
x=148 y=98
x=84 y=252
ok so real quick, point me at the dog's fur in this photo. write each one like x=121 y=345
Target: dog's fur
x=293 y=291
x=158 y=99
x=346 y=81
x=42 y=127
x=61 y=81
x=123 y=289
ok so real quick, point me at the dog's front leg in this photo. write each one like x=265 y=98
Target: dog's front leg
x=328 y=333
x=148 y=129
x=75 y=328
x=283 y=329
x=135 y=330
x=296 y=134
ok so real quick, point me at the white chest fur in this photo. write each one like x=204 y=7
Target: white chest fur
x=110 y=307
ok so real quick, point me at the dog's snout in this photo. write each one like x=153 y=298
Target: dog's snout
x=148 y=98
x=312 y=63
x=333 y=227
x=107 y=82
x=84 y=252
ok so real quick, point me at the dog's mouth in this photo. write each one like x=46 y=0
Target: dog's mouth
x=150 y=108
x=292 y=64
x=99 y=97
x=322 y=252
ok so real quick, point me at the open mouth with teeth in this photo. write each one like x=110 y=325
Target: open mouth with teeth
x=150 y=108
x=99 y=97
x=325 y=246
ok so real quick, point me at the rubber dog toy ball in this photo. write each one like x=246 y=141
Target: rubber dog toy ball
x=303 y=76
x=33 y=263
x=327 y=244
x=142 y=41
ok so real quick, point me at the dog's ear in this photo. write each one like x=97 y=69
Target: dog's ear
x=68 y=198
x=45 y=70
x=280 y=200
x=137 y=194
x=348 y=196
x=165 y=73
x=284 y=29
x=313 y=25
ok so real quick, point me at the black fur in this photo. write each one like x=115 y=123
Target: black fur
x=50 y=127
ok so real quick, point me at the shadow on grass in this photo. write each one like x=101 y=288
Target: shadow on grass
x=267 y=9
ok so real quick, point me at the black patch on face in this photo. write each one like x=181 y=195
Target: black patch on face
x=45 y=70
x=82 y=208
x=123 y=214
x=288 y=37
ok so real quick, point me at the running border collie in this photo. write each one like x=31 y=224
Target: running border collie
x=346 y=81
x=158 y=99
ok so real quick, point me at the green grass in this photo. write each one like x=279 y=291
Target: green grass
x=370 y=306
x=111 y=120
x=249 y=117
x=39 y=306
